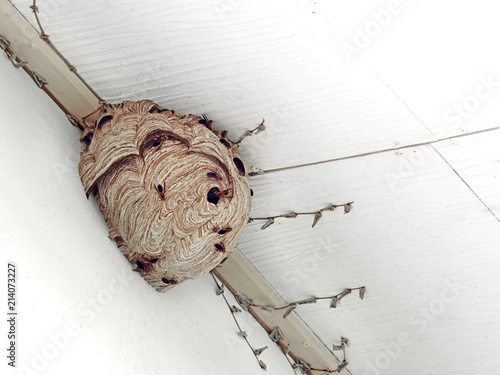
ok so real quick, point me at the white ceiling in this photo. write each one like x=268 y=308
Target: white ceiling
x=426 y=211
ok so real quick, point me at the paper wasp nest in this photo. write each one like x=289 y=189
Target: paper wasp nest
x=174 y=193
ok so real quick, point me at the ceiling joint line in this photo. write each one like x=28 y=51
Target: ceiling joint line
x=466 y=184
x=401 y=100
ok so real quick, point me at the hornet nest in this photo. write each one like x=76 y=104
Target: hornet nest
x=174 y=192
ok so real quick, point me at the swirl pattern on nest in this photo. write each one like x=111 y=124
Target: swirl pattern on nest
x=174 y=193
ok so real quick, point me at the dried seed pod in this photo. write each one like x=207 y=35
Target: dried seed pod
x=334 y=302
x=362 y=292
x=342 y=366
x=318 y=215
x=276 y=335
x=344 y=293
x=267 y=308
x=163 y=181
x=289 y=311
x=306 y=301
x=267 y=224
x=243 y=301
x=259 y=351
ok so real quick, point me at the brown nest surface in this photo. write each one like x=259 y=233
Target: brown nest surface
x=174 y=193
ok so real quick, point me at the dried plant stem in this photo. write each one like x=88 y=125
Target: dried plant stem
x=249 y=303
x=34 y=8
x=236 y=320
x=248 y=133
x=314 y=299
x=294 y=214
x=317 y=214
x=45 y=37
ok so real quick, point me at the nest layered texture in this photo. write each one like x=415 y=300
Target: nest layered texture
x=174 y=193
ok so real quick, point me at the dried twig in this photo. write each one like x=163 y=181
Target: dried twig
x=242 y=333
x=248 y=133
x=276 y=336
x=45 y=37
x=317 y=214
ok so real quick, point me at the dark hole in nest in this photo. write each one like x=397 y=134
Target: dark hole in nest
x=168 y=281
x=219 y=246
x=212 y=175
x=104 y=120
x=94 y=191
x=119 y=241
x=213 y=195
x=225 y=143
x=239 y=166
x=160 y=188
x=88 y=138
x=156 y=143
x=140 y=265
x=156 y=109
x=251 y=192
x=225 y=230
x=153 y=260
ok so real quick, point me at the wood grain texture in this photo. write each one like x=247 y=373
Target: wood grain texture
x=238 y=62
x=174 y=194
x=437 y=57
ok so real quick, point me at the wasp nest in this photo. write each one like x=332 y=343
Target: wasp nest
x=174 y=193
